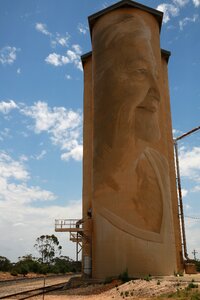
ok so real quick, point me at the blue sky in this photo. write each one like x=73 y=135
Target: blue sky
x=41 y=106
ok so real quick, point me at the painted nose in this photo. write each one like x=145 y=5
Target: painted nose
x=154 y=91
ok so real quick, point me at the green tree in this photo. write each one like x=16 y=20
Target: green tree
x=5 y=264
x=48 y=247
x=28 y=262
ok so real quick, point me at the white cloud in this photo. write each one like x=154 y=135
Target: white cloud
x=23 y=158
x=68 y=77
x=8 y=55
x=105 y=4
x=192 y=236
x=190 y=162
x=41 y=27
x=82 y=28
x=40 y=220
x=76 y=153
x=11 y=169
x=72 y=56
x=18 y=71
x=5 y=133
x=55 y=39
x=169 y=11
x=181 y=3
x=176 y=133
x=6 y=107
x=62 y=125
x=196 y=188
x=41 y=155
x=56 y=59
x=196 y=3
x=23 y=194
x=184 y=192
x=17 y=210
x=62 y=40
x=187 y=207
x=185 y=21
x=77 y=49
x=172 y=10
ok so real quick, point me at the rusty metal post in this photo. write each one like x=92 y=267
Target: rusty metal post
x=77 y=247
x=181 y=212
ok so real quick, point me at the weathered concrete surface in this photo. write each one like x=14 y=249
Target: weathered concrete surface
x=129 y=176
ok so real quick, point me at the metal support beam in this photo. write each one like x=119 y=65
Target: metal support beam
x=180 y=204
x=181 y=212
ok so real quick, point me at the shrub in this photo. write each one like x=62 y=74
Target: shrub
x=195 y=296
x=192 y=285
x=23 y=270
x=124 y=277
x=13 y=273
x=126 y=293
x=147 y=278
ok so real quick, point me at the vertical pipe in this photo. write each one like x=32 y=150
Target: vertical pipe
x=181 y=213
x=77 y=247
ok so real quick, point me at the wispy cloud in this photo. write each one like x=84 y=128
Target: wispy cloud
x=176 y=132
x=72 y=56
x=18 y=71
x=105 y=4
x=8 y=55
x=11 y=169
x=55 y=39
x=196 y=188
x=68 y=77
x=180 y=3
x=5 y=134
x=41 y=155
x=196 y=3
x=58 y=39
x=173 y=10
x=76 y=153
x=62 y=125
x=83 y=29
x=184 y=192
x=192 y=235
x=7 y=106
x=169 y=11
x=190 y=162
x=41 y=27
x=57 y=59
x=23 y=158
x=185 y=21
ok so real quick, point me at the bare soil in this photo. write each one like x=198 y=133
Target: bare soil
x=135 y=289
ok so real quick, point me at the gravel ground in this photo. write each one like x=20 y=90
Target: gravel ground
x=19 y=286
x=134 y=289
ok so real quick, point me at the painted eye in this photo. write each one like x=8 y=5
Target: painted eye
x=141 y=73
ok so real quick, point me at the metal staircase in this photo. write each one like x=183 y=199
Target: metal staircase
x=75 y=229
